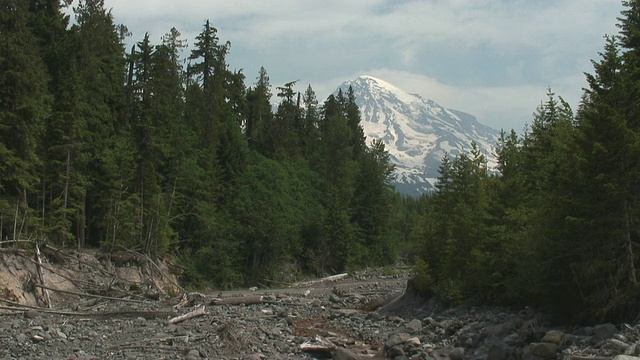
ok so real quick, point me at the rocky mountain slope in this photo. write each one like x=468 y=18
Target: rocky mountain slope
x=416 y=131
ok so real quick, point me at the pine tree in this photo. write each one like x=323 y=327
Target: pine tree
x=259 y=114
x=24 y=105
x=101 y=68
x=608 y=137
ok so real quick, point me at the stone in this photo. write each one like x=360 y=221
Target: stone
x=415 y=326
x=553 y=336
x=614 y=346
x=343 y=354
x=413 y=341
x=544 y=350
x=498 y=351
x=626 y=357
x=584 y=331
x=395 y=351
x=604 y=331
x=281 y=346
x=456 y=354
x=31 y=314
x=396 y=339
x=527 y=355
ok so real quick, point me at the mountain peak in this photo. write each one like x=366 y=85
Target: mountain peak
x=417 y=132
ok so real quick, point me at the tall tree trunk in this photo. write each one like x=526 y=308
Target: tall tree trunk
x=630 y=257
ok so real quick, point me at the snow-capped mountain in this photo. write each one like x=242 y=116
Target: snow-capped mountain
x=416 y=131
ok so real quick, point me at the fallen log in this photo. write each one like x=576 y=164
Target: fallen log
x=110 y=314
x=88 y=295
x=190 y=315
x=239 y=300
x=324 y=279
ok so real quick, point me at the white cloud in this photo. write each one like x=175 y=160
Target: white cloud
x=491 y=58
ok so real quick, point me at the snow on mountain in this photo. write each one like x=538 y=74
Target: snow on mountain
x=416 y=131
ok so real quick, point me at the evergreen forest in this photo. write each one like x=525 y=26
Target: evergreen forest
x=168 y=152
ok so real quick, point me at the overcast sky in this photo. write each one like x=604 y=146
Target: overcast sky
x=491 y=58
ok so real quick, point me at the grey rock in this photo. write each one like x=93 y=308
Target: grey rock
x=528 y=355
x=31 y=314
x=396 y=339
x=584 y=331
x=498 y=351
x=456 y=354
x=415 y=326
x=614 y=347
x=395 y=351
x=343 y=354
x=625 y=357
x=281 y=346
x=553 y=336
x=544 y=350
x=604 y=331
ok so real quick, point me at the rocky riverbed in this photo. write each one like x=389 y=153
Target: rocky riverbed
x=366 y=315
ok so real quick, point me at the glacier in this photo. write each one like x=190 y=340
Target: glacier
x=417 y=132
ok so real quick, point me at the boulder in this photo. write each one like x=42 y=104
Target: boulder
x=396 y=339
x=544 y=350
x=626 y=357
x=498 y=351
x=584 y=331
x=414 y=326
x=343 y=354
x=604 y=331
x=553 y=336
x=456 y=354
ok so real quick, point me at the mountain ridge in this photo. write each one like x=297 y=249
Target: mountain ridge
x=417 y=132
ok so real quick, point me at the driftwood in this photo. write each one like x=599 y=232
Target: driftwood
x=190 y=315
x=44 y=296
x=88 y=295
x=190 y=299
x=239 y=300
x=110 y=314
x=325 y=279
x=318 y=344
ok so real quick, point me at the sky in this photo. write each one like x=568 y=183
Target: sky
x=494 y=59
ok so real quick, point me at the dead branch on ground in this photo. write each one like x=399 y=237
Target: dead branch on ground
x=190 y=315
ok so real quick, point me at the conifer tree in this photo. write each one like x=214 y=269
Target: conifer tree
x=608 y=137
x=107 y=147
x=259 y=114
x=24 y=105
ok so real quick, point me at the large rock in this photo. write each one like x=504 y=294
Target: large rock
x=544 y=350
x=604 y=331
x=553 y=336
x=344 y=354
x=626 y=357
x=498 y=351
x=396 y=339
x=414 y=326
